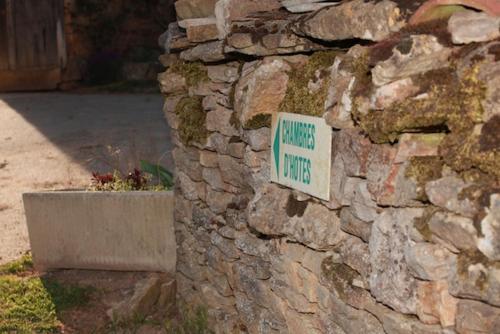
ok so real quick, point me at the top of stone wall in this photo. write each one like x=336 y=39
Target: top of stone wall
x=212 y=31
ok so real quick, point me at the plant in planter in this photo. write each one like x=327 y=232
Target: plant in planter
x=124 y=223
x=149 y=178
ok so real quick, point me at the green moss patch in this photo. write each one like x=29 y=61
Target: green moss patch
x=192 y=117
x=470 y=257
x=259 y=121
x=340 y=276
x=194 y=72
x=298 y=98
x=421 y=224
x=422 y=170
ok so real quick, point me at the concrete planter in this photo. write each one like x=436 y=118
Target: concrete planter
x=102 y=230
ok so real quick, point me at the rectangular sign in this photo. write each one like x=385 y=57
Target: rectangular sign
x=301 y=153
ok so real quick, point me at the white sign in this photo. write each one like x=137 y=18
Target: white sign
x=301 y=153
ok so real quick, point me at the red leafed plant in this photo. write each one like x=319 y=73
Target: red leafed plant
x=133 y=181
x=102 y=179
x=137 y=179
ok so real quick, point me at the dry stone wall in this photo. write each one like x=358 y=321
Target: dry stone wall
x=409 y=241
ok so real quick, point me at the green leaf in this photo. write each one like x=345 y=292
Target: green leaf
x=165 y=176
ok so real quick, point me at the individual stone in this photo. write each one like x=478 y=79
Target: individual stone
x=233 y=171
x=351 y=224
x=260 y=92
x=207 y=52
x=214 y=100
x=354 y=150
x=356 y=254
x=353 y=19
x=302 y=6
x=220 y=120
x=227 y=73
x=315 y=226
x=445 y=193
x=391 y=281
x=424 y=53
x=255 y=159
x=339 y=104
x=435 y=304
x=167 y=298
x=347 y=318
x=217 y=142
x=191 y=190
x=396 y=323
x=145 y=296
x=311 y=224
x=474 y=318
x=469 y=26
x=226 y=11
x=213 y=177
x=363 y=206
x=218 y=201
x=187 y=9
x=429 y=261
x=172 y=39
x=213 y=298
x=397 y=188
x=311 y=260
x=253 y=246
x=489 y=74
x=226 y=246
x=237 y=149
x=208 y=159
x=301 y=323
x=455 y=230
x=187 y=160
x=476 y=277
x=267 y=34
x=200 y=30
x=418 y=145
x=396 y=91
x=489 y=242
x=258 y=140
x=171 y=83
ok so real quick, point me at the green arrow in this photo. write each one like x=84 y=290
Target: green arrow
x=276 y=148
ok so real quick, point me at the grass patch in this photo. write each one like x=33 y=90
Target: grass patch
x=25 y=263
x=189 y=321
x=32 y=304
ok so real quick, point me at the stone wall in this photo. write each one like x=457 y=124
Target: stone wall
x=409 y=241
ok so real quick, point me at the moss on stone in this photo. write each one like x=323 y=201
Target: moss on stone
x=299 y=98
x=259 y=121
x=191 y=116
x=422 y=170
x=454 y=105
x=421 y=223
x=193 y=72
x=340 y=276
x=471 y=257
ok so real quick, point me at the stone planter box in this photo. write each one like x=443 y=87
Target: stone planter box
x=132 y=231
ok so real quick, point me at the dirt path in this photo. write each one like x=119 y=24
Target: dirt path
x=54 y=141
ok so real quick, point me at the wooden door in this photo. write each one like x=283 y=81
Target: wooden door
x=32 y=48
